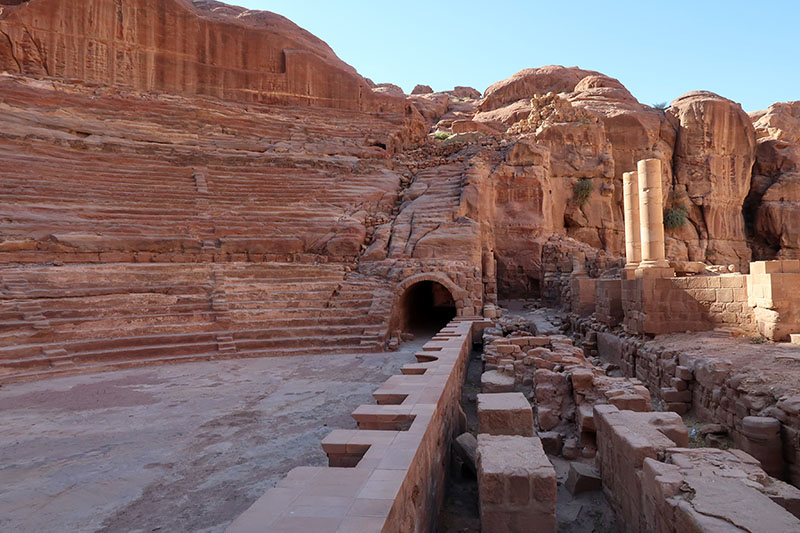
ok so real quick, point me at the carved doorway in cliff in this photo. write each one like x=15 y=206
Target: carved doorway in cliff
x=426 y=307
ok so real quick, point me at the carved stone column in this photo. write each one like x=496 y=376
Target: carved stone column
x=651 y=212
x=633 y=239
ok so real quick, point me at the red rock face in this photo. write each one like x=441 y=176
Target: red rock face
x=528 y=82
x=191 y=134
x=714 y=155
x=596 y=129
x=180 y=47
x=773 y=205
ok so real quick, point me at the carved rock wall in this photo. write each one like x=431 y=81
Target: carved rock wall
x=181 y=47
x=714 y=156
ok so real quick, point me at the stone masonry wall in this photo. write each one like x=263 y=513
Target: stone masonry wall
x=709 y=386
x=657 y=485
x=773 y=289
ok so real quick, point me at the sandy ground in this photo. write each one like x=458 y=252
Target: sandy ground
x=172 y=448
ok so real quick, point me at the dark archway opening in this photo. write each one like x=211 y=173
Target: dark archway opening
x=426 y=307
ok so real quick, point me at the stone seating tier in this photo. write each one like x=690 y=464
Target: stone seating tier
x=57 y=319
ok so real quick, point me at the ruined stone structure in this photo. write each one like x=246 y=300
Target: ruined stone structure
x=185 y=180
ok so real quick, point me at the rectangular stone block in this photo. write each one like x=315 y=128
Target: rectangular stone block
x=625 y=440
x=495 y=382
x=766 y=267
x=505 y=414
x=790 y=265
x=516 y=485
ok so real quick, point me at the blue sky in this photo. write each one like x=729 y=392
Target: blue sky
x=747 y=51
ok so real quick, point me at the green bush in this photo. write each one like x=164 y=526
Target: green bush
x=582 y=190
x=441 y=135
x=676 y=217
x=661 y=106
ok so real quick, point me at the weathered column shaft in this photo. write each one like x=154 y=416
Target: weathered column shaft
x=633 y=239
x=651 y=212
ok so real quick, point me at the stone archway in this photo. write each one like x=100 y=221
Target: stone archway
x=426 y=302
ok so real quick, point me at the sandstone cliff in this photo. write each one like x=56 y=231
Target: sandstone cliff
x=596 y=130
x=182 y=47
x=177 y=131
x=773 y=205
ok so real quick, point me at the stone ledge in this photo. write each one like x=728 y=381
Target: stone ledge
x=390 y=468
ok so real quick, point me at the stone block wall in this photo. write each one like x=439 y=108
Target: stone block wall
x=723 y=298
x=773 y=289
x=463 y=279
x=583 y=295
x=624 y=440
x=657 y=485
x=767 y=301
x=711 y=388
x=655 y=305
x=608 y=301
x=557 y=267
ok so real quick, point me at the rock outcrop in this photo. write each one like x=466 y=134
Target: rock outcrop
x=181 y=47
x=596 y=130
x=182 y=132
x=714 y=156
x=772 y=208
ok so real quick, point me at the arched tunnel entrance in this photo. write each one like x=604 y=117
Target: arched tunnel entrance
x=426 y=307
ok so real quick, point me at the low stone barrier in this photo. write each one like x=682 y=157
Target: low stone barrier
x=657 y=485
x=391 y=476
x=713 y=389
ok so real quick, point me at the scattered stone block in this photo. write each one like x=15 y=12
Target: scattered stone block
x=516 y=485
x=630 y=402
x=495 y=382
x=684 y=373
x=570 y=448
x=507 y=413
x=707 y=429
x=551 y=441
x=582 y=478
x=466 y=449
x=762 y=440
x=585 y=414
x=582 y=379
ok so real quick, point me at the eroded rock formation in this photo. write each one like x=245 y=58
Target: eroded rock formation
x=773 y=205
x=195 y=132
x=181 y=47
x=714 y=156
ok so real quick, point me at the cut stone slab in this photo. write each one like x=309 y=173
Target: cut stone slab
x=507 y=413
x=582 y=478
x=493 y=382
x=516 y=485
